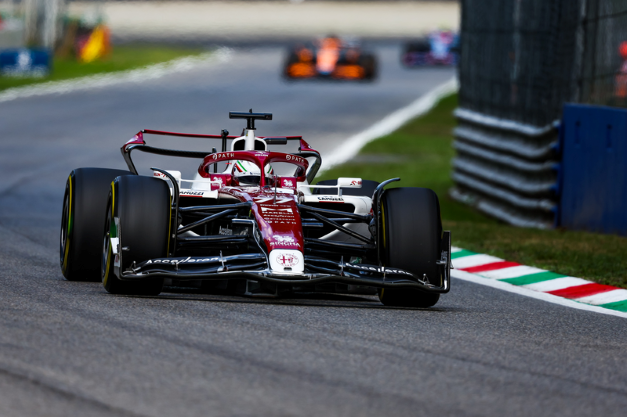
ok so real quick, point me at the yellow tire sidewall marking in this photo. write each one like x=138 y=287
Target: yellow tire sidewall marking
x=108 y=263
x=383 y=227
x=67 y=232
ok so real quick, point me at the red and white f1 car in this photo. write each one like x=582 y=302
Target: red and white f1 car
x=250 y=231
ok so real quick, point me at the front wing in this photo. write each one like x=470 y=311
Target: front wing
x=255 y=266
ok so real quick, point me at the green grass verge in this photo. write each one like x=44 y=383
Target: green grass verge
x=121 y=58
x=420 y=153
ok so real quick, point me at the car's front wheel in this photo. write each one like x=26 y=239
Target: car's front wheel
x=138 y=216
x=411 y=236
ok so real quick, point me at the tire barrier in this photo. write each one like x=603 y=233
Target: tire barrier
x=520 y=62
x=506 y=169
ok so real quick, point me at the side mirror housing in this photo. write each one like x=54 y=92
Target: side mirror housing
x=349 y=182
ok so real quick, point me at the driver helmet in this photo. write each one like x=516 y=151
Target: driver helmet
x=247 y=173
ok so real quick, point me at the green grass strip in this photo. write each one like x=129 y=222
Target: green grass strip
x=121 y=58
x=618 y=305
x=533 y=278
x=462 y=253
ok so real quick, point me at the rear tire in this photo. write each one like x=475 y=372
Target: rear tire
x=142 y=206
x=82 y=221
x=412 y=235
x=369 y=63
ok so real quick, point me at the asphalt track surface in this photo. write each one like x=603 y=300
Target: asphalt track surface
x=69 y=348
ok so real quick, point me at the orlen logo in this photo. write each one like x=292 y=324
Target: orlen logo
x=286 y=260
x=355 y=182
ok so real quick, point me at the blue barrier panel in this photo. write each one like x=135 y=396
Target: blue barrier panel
x=25 y=62
x=594 y=169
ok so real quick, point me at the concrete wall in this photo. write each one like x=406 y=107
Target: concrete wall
x=261 y=20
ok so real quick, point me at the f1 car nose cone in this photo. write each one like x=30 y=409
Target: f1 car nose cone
x=287 y=261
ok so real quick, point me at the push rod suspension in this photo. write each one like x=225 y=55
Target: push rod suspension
x=341 y=228
x=362 y=217
x=216 y=208
x=206 y=220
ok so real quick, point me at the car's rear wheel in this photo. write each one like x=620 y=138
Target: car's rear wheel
x=82 y=221
x=369 y=63
x=138 y=214
x=412 y=231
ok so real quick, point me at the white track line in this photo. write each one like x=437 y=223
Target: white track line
x=150 y=72
x=351 y=146
x=465 y=276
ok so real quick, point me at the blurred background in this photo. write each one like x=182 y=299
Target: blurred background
x=523 y=67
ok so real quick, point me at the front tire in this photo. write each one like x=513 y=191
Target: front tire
x=82 y=221
x=412 y=232
x=138 y=214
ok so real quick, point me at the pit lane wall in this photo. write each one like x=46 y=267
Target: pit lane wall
x=520 y=63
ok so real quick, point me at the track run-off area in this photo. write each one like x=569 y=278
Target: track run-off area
x=69 y=348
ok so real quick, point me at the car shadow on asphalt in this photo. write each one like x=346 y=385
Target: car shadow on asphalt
x=332 y=300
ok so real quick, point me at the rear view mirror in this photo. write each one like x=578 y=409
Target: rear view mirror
x=349 y=182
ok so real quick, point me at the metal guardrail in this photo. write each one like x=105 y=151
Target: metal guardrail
x=507 y=169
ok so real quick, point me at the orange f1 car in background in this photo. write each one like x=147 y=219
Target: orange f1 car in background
x=330 y=58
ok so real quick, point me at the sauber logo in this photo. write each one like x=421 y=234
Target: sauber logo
x=286 y=260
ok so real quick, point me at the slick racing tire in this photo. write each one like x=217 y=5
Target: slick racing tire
x=292 y=58
x=82 y=221
x=412 y=231
x=367 y=188
x=142 y=208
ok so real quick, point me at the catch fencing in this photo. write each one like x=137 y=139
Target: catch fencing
x=520 y=62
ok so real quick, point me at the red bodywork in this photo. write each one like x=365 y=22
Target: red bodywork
x=276 y=213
